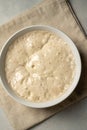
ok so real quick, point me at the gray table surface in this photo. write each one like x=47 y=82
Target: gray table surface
x=72 y=118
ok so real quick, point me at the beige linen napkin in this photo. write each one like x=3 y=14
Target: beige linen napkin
x=55 y=13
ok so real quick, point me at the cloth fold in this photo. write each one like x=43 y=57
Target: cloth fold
x=54 y=13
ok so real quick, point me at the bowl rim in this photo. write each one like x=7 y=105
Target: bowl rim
x=74 y=51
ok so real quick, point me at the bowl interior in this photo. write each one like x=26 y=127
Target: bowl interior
x=48 y=103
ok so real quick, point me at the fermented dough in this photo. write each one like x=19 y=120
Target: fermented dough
x=39 y=66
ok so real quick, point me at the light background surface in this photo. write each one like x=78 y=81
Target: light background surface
x=80 y=7
x=72 y=118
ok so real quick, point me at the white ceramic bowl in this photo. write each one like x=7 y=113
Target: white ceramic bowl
x=48 y=103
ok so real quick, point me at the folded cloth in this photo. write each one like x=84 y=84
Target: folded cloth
x=54 y=13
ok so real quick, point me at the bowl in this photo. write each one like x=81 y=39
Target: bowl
x=2 y=67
